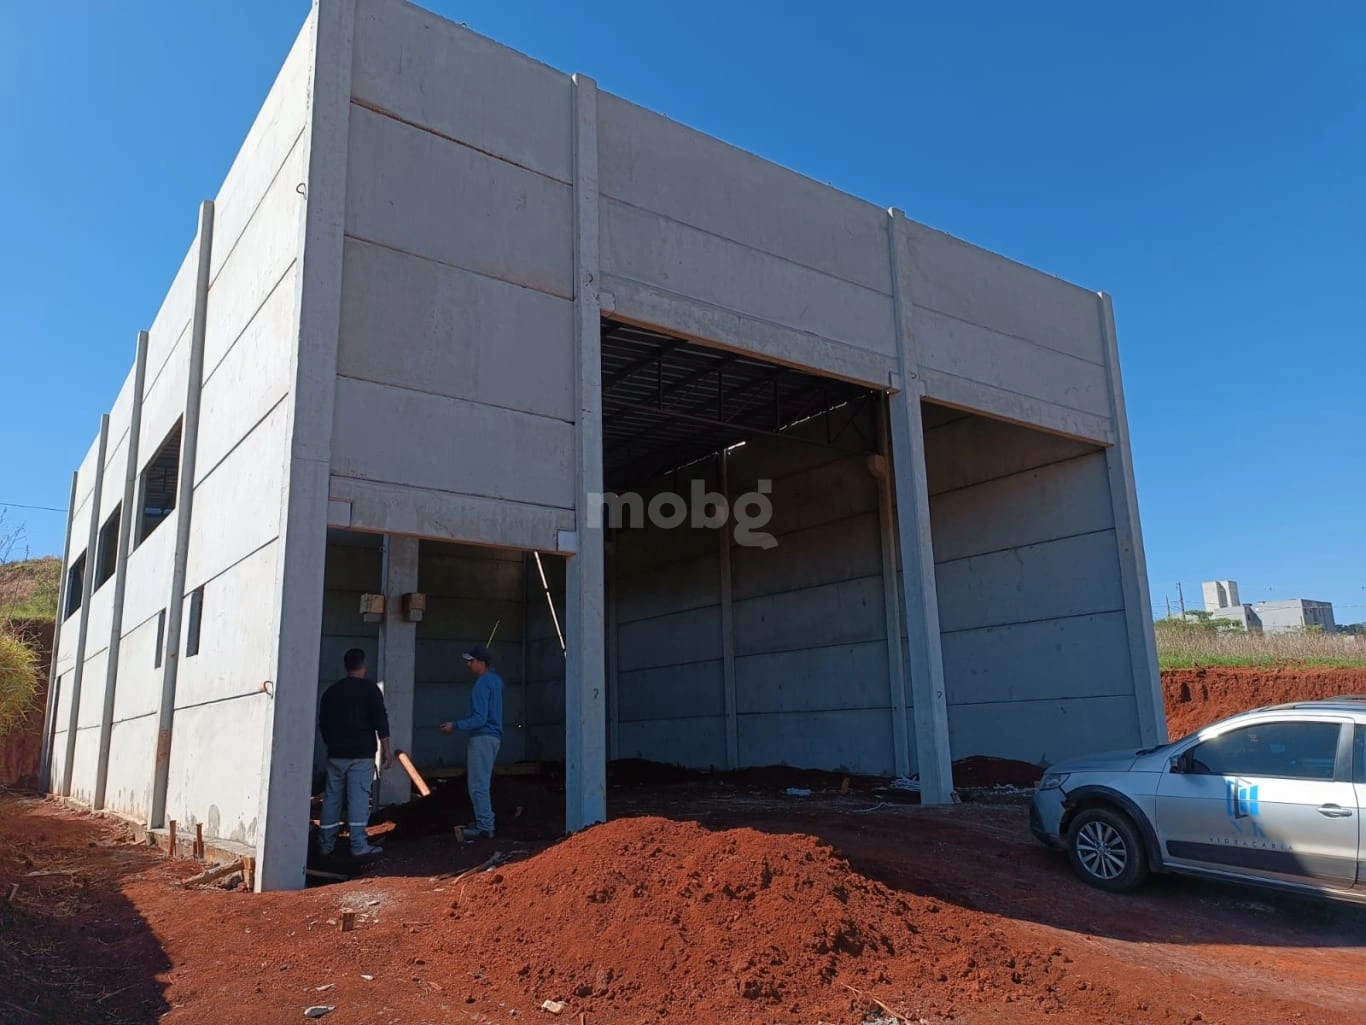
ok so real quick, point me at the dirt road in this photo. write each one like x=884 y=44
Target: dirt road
x=940 y=914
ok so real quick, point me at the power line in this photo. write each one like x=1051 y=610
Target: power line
x=39 y=508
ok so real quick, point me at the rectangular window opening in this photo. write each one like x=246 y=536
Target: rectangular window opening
x=161 y=637
x=107 y=552
x=75 y=585
x=158 y=485
x=196 y=617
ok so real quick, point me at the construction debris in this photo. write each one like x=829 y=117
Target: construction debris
x=348 y=921
x=214 y=874
x=318 y=1010
x=555 y=1006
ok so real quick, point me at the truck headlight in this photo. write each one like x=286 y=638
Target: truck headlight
x=1052 y=780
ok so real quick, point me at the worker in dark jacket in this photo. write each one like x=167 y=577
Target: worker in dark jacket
x=350 y=717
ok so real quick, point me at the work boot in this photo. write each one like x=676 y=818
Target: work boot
x=473 y=832
x=368 y=851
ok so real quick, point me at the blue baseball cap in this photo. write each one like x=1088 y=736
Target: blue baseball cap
x=479 y=653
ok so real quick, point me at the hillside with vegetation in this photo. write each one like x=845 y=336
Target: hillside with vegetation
x=28 y=589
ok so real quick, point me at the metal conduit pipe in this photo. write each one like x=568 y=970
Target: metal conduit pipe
x=189 y=443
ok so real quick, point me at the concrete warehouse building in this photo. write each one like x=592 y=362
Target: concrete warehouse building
x=445 y=299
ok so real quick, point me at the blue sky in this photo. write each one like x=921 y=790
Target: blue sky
x=1202 y=162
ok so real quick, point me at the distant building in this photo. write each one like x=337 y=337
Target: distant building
x=1220 y=594
x=1294 y=614
x=1221 y=601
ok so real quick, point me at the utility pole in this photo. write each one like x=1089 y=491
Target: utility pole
x=1169 y=605
x=1180 y=597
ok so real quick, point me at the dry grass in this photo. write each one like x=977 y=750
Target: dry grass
x=18 y=678
x=1188 y=645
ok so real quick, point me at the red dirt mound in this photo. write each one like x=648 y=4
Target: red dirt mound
x=655 y=917
x=1197 y=697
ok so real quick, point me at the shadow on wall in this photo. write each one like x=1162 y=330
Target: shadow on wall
x=74 y=947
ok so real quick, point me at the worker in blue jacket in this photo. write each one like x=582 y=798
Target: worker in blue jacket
x=484 y=724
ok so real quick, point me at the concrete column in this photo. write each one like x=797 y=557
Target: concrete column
x=398 y=660
x=921 y=609
x=1133 y=564
x=287 y=764
x=184 y=509
x=896 y=667
x=87 y=586
x=728 y=627
x=130 y=482
x=585 y=671
x=53 y=677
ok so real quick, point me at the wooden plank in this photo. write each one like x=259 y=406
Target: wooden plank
x=413 y=774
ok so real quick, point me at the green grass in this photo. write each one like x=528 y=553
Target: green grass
x=1194 y=645
x=29 y=589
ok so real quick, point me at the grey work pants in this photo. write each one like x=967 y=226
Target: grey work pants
x=348 y=779
x=482 y=753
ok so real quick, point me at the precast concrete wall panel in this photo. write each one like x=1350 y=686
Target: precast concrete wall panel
x=698 y=742
x=132 y=746
x=1031 y=609
x=432 y=73
x=675 y=587
x=419 y=193
x=1074 y=576
x=237 y=634
x=1083 y=655
x=164 y=401
x=92 y=690
x=413 y=323
x=139 y=684
x=171 y=324
x=976 y=286
x=249 y=384
x=642 y=246
x=215 y=775
x=86 y=762
x=251 y=478
x=814 y=680
x=1010 y=364
x=115 y=469
x=386 y=434
x=654 y=164
x=850 y=740
x=252 y=273
x=1063 y=500
x=975 y=449
x=1007 y=340
x=258 y=169
x=149 y=575
x=100 y=609
x=1044 y=731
